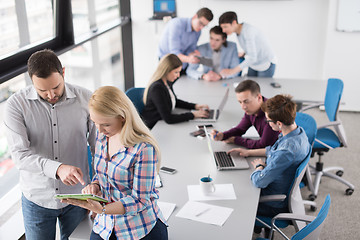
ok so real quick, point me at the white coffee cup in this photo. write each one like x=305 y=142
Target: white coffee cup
x=207 y=185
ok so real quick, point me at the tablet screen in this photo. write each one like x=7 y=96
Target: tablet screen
x=81 y=197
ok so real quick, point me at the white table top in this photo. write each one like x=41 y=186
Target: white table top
x=192 y=160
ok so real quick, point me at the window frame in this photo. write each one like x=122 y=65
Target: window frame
x=65 y=40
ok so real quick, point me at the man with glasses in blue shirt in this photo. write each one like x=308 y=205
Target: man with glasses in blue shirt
x=181 y=35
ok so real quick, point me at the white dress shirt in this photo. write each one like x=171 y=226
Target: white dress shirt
x=42 y=136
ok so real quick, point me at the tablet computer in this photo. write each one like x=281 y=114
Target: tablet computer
x=205 y=61
x=83 y=197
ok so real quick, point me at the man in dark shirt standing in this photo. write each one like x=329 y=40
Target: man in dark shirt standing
x=249 y=96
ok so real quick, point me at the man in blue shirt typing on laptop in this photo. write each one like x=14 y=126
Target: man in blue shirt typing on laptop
x=181 y=35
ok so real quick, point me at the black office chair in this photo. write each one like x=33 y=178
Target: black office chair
x=327 y=138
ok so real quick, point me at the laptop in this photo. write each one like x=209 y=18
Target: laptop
x=215 y=113
x=164 y=8
x=226 y=161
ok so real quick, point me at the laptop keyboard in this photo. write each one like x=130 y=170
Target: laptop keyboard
x=211 y=114
x=223 y=159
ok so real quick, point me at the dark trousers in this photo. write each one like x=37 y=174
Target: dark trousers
x=159 y=232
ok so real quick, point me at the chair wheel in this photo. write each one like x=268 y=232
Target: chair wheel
x=312 y=197
x=313 y=208
x=339 y=173
x=349 y=191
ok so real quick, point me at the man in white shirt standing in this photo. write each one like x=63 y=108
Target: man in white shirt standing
x=259 y=56
x=48 y=129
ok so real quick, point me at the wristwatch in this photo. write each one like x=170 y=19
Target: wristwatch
x=260 y=165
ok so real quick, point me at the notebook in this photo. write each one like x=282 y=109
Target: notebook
x=224 y=161
x=215 y=113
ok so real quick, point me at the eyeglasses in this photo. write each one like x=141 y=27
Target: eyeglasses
x=201 y=23
x=269 y=121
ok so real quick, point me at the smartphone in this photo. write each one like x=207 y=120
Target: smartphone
x=275 y=85
x=197 y=133
x=202 y=126
x=167 y=170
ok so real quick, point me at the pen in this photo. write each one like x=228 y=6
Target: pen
x=216 y=133
x=202 y=212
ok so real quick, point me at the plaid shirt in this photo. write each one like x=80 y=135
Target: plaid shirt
x=128 y=177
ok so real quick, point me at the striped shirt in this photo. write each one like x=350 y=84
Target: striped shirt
x=129 y=177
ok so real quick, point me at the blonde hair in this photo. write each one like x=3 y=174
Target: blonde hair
x=109 y=101
x=167 y=63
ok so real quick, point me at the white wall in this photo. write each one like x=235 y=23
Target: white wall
x=302 y=33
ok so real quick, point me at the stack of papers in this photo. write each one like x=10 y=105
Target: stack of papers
x=205 y=213
x=222 y=192
x=166 y=209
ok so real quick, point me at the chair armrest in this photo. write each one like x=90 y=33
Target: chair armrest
x=330 y=124
x=324 y=144
x=311 y=106
x=292 y=216
x=272 y=198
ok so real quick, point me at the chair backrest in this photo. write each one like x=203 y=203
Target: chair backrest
x=296 y=204
x=313 y=229
x=333 y=94
x=308 y=123
x=136 y=96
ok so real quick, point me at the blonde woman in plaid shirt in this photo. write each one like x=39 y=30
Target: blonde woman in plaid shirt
x=127 y=159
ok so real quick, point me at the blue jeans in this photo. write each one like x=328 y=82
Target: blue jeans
x=267 y=73
x=40 y=222
x=159 y=232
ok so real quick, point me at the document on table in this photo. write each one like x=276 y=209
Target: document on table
x=166 y=209
x=251 y=133
x=205 y=213
x=222 y=192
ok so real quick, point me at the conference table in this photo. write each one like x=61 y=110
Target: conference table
x=192 y=159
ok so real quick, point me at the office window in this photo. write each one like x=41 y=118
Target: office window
x=9 y=31
x=40 y=15
x=96 y=63
x=80 y=16
x=24 y=23
x=89 y=14
x=96 y=59
x=9 y=175
x=106 y=11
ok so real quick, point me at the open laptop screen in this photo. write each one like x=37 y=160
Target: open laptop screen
x=164 y=8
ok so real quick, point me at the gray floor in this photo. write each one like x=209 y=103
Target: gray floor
x=343 y=219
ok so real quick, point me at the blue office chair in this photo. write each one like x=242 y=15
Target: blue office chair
x=327 y=138
x=294 y=198
x=136 y=96
x=308 y=123
x=310 y=231
x=90 y=162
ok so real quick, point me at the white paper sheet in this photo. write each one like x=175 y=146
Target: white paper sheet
x=222 y=192
x=205 y=213
x=251 y=133
x=166 y=209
